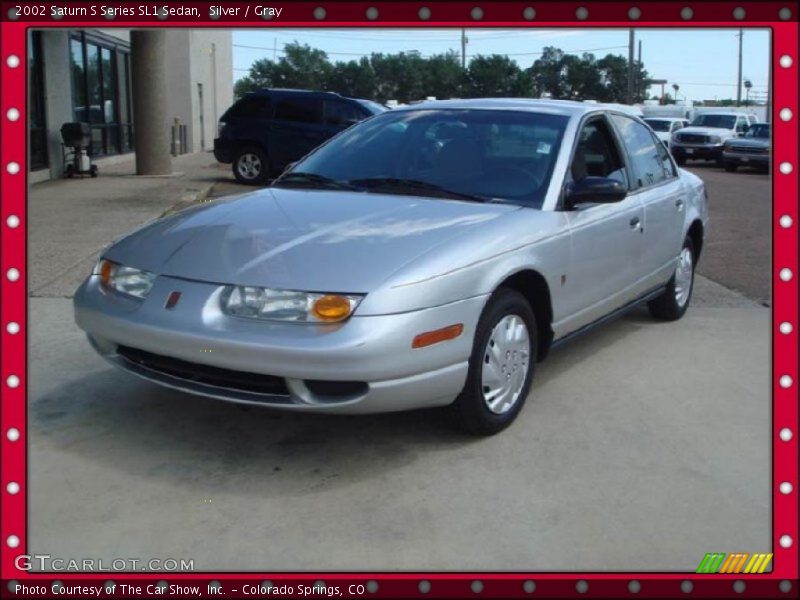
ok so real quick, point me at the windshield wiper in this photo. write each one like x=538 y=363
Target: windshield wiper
x=303 y=179
x=390 y=184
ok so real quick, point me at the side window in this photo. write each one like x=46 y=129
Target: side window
x=341 y=113
x=301 y=109
x=647 y=160
x=596 y=154
x=666 y=163
x=252 y=106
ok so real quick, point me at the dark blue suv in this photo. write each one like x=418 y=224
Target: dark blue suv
x=267 y=130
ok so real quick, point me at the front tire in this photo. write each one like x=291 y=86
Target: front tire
x=251 y=166
x=671 y=305
x=501 y=366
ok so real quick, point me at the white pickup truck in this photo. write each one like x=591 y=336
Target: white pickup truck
x=706 y=136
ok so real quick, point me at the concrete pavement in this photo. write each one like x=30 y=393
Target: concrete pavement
x=643 y=446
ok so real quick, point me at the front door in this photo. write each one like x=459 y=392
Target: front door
x=606 y=239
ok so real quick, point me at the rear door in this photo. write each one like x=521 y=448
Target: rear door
x=248 y=120
x=296 y=128
x=655 y=182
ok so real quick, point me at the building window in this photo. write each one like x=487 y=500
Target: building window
x=37 y=126
x=100 y=93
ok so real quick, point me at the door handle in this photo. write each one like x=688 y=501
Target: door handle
x=679 y=203
x=635 y=223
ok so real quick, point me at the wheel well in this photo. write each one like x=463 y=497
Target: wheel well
x=247 y=144
x=696 y=233
x=533 y=286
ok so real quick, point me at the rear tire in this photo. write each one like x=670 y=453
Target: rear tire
x=501 y=366
x=671 y=305
x=251 y=166
x=730 y=167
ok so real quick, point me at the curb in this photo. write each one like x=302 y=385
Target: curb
x=189 y=198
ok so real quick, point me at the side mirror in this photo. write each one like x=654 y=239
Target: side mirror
x=598 y=190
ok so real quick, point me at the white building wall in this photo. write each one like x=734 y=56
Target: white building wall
x=193 y=57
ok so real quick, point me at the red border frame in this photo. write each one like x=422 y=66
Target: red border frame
x=13 y=144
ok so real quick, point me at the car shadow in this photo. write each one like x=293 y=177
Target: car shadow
x=118 y=421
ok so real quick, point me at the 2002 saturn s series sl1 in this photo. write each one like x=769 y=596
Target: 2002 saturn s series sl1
x=428 y=256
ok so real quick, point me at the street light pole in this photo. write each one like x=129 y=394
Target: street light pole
x=739 y=72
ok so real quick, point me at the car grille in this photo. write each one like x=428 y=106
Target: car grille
x=692 y=138
x=205 y=374
x=747 y=150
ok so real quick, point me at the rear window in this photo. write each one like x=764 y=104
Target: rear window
x=251 y=106
x=301 y=109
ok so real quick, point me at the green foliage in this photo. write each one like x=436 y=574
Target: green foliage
x=408 y=77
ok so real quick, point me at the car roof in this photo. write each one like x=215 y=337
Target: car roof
x=569 y=108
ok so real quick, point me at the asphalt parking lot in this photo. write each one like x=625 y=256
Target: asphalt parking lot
x=644 y=445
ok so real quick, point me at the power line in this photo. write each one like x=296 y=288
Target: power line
x=263 y=48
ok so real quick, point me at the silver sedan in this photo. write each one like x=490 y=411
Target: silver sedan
x=428 y=256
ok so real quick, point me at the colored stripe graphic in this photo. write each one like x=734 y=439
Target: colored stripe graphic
x=758 y=563
x=734 y=563
x=711 y=562
x=737 y=562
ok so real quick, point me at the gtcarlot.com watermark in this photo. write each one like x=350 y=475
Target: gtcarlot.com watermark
x=46 y=562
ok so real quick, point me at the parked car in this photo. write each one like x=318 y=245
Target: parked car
x=664 y=127
x=709 y=131
x=267 y=130
x=428 y=256
x=751 y=150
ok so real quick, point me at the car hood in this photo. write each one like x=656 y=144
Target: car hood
x=718 y=131
x=749 y=142
x=309 y=240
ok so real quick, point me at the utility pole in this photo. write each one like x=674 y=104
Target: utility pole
x=639 y=66
x=739 y=72
x=463 y=48
x=275 y=50
x=630 y=66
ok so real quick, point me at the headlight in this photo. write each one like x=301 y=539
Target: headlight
x=284 y=305
x=125 y=280
x=713 y=139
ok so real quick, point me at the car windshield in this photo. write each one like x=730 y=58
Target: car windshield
x=460 y=154
x=658 y=124
x=759 y=130
x=718 y=121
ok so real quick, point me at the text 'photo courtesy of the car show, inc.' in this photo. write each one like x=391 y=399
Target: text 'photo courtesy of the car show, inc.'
x=398 y=299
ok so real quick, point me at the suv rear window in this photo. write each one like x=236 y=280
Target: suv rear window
x=338 y=112
x=303 y=109
x=251 y=106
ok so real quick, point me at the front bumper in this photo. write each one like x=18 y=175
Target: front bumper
x=746 y=158
x=689 y=151
x=375 y=350
x=223 y=151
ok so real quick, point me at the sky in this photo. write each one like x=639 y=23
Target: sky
x=703 y=62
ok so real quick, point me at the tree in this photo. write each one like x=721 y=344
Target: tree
x=442 y=76
x=353 y=78
x=398 y=76
x=496 y=76
x=300 y=67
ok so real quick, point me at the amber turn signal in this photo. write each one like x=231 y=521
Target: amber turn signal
x=106 y=269
x=438 y=335
x=331 y=308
